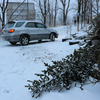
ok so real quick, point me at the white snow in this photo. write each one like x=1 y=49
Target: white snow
x=20 y=63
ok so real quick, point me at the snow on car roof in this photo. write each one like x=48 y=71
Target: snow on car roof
x=25 y=21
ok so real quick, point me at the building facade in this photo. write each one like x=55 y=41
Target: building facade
x=25 y=11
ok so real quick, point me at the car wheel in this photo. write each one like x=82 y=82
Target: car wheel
x=52 y=37
x=13 y=43
x=24 y=40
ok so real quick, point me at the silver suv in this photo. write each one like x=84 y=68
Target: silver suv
x=25 y=31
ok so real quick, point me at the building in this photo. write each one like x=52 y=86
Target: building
x=25 y=11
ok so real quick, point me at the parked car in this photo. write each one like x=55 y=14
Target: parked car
x=25 y=31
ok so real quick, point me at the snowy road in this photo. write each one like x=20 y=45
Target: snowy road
x=20 y=63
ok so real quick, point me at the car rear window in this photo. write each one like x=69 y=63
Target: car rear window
x=10 y=24
x=19 y=24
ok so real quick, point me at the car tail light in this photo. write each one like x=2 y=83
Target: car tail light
x=2 y=31
x=11 y=31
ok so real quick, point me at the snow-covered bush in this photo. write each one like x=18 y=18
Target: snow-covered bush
x=78 y=66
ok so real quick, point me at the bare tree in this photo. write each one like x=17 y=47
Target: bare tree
x=97 y=4
x=91 y=3
x=90 y=7
x=65 y=9
x=78 y=14
x=85 y=10
x=44 y=10
x=56 y=9
x=50 y=10
x=3 y=7
x=82 y=13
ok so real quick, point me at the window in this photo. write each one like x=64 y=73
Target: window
x=24 y=11
x=30 y=24
x=23 y=17
x=10 y=24
x=19 y=24
x=24 y=5
x=40 y=25
x=30 y=6
x=15 y=5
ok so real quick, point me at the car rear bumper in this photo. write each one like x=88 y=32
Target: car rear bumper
x=10 y=38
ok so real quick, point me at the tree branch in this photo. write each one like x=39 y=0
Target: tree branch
x=16 y=9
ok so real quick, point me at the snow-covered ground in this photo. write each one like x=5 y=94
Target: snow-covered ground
x=20 y=63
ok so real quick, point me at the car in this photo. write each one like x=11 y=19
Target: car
x=24 y=31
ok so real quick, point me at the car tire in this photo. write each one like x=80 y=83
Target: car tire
x=13 y=43
x=52 y=37
x=24 y=40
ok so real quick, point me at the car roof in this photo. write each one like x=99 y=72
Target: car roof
x=25 y=21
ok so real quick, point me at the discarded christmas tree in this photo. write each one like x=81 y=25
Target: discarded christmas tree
x=78 y=66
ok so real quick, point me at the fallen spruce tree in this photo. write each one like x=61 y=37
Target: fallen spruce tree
x=78 y=66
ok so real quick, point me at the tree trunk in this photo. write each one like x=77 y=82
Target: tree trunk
x=65 y=10
x=97 y=1
x=55 y=13
x=91 y=11
x=82 y=15
x=78 y=14
x=64 y=16
x=45 y=11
